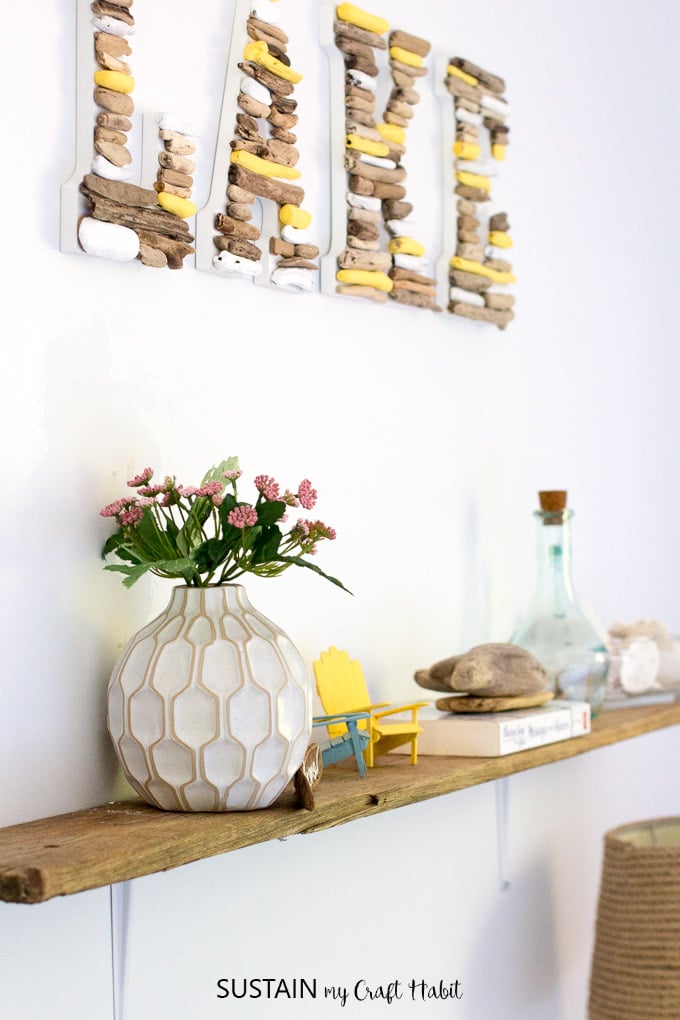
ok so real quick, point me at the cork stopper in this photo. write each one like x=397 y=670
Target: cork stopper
x=553 y=501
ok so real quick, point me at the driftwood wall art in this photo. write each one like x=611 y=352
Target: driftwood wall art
x=380 y=259
x=480 y=274
x=254 y=225
x=103 y=212
x=257 y=163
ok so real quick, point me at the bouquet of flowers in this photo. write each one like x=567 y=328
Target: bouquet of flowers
x=206 y=535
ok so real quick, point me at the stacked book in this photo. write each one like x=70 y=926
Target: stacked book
x=491 y=734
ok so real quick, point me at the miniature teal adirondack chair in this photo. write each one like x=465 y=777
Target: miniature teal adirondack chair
x=352 y=741
x=342 y=688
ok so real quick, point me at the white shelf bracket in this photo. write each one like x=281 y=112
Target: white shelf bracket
x=120 y=930
x=502 y=813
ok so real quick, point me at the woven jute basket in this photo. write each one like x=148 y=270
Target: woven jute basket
x=635 y=972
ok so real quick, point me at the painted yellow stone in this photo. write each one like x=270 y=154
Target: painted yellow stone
x=115 y=80
x=366 y=278
x=498 y=151
x=264 y=167
x=500 y=239
x=470 y=266
x=258 y=53
x=405 y=246
x=181 y=207
x=366 y=145
x=294 y=216
x=473 y=180
x=362 y=19
x=392 y=133
x=406 y=57
x=467 y=150
x=463 y=75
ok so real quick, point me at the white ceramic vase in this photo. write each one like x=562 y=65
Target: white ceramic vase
x=210 y=705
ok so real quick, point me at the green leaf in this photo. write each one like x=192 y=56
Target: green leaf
x=298 y=561
x=174 y=568
x=266 y=545
x=149 y=539
x=215 y=473
x=132 y=574
x=210 y=554
x=270 y=512
x=226 y=506
x=182 y=567
x=111 y=544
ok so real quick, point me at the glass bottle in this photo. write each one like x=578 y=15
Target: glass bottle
x=555 y=629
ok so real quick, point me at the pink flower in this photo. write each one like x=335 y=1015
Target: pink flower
x=290 y=499
x=316 y=530
x=243 y=516
x=231 y=476
x=210 y=489
x=132 y=516
x=151 y=490
x=267 y=486
x=141 y=479
x=306 y=494
x=113 y=509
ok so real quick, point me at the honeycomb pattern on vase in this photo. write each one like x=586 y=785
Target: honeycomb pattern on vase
x=209 y=705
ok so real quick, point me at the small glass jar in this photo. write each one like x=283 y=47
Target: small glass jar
x=555 y=628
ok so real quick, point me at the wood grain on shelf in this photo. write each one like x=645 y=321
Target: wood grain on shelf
x=115 y=842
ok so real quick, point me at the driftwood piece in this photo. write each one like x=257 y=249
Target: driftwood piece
x=412 y=43
x=119 y=191
x=492 y=81
x=114 y=102
x=174 y=250
x=360 y=291
x=281 y=152
x=244 y=249
x=307 y=251
x=289 y=137
x=498 y=301
x=499 y=318
x=397 y=273
x=257 y=25
x=363 y=35
x=383 y=189
x=509 y=704
x=352 y=258
x=277 y=246
x=236 y=228
x=153 y=257
x=457 y=87
x=266 y=187
x=253 y=107
x=407 y=297
x=276 y=85
x=355 y=63
x=469 y=281
x=396 y=210
x=490 y=670
x=141 y=219
x=116 y=45
x=354 y=47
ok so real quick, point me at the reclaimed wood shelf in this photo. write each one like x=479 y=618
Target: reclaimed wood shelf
x=115 y=842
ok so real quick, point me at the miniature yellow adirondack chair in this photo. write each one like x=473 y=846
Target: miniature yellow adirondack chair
x=342 y=688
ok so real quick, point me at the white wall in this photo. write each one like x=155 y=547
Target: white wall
x=427 y=438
